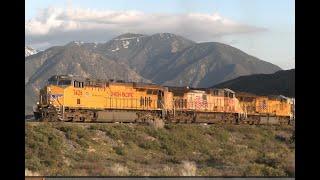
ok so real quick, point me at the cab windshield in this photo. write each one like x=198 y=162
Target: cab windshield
x=64 y=82
x=60 y=82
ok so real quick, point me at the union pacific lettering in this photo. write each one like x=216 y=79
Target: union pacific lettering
x=122 y=94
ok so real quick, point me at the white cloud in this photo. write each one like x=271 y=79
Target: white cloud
x=58 y=26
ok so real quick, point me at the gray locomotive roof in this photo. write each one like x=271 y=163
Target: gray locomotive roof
x=134 y=84
x=103 y=81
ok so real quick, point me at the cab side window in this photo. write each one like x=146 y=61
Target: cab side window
x=77 y=84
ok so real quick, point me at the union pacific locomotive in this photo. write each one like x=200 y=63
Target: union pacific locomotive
x=74 y=99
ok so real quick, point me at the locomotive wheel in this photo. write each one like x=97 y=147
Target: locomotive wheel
x=82 y=119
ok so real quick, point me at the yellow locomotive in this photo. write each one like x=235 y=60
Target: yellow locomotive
x=265 y=109
x=69 y=98
x=203 y=105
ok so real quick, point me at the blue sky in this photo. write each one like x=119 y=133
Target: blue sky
x=275 y=44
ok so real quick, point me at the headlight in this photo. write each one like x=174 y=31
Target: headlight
x=37 y=103
x=50 y=102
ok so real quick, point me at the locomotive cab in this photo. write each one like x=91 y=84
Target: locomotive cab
x=51 y=94
x=229 y=93
x=60 y=80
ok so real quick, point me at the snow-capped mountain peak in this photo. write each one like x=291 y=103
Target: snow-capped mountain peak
x=29 y=51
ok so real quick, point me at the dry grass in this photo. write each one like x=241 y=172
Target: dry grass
x=188 y=168
x=119 y=170
x=27 y=172
x=156 y=123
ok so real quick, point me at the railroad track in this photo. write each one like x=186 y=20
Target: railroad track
x=78 y=123
x=136 y=124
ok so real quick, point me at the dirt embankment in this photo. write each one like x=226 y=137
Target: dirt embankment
x=124 y=149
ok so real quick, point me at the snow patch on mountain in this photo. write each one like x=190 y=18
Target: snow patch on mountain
x=117 y=49
x=125 y=44
x=30 y=51
x=79 y=43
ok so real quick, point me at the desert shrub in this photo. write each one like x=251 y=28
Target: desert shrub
x=292 y=138
x=121 y=131
x=169 y=148
x=119 y=150
x=43 y=148
x=161 y=134
x=113 y=133
x=253 y=170
x=223 y=136
x=74 y=132
x=270 y=171
x=153 y=145
x=263 y=170
x=212 y=162
x=269 y=159
x=280 y=138
x=95 y=127
x=33 y=164
x=168 y=126
x=79 y=135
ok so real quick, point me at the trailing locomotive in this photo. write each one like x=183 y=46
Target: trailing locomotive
x=74 y=99
x=266 y=110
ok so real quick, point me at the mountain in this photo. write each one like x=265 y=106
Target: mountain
x=169 y=59
x=205 y=64
x=279 y=83
x=161 y=58
x=145 y=54
x=30 y=51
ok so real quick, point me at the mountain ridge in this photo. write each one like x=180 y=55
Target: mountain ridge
x=279 y=83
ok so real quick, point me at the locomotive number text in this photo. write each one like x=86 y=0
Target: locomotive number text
x=77 y=92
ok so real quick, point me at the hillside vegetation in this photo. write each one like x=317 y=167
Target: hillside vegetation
x=131 y=150
x=279 y=83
